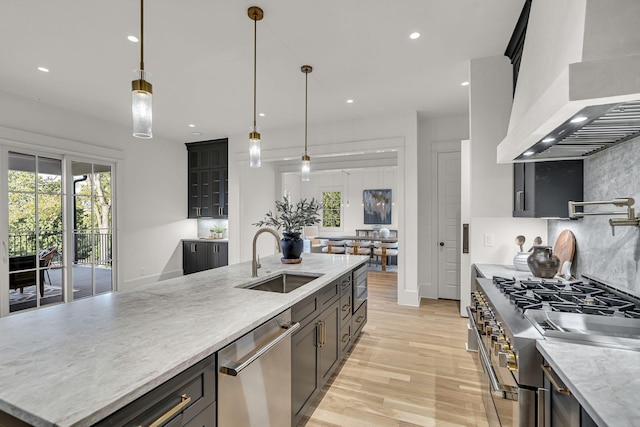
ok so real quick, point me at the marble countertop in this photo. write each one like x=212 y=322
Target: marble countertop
x=508 y=271
x=604 y=380
x=73 y=364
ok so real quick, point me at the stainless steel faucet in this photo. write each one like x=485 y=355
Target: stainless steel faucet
x=625 y=202
x=255 y=263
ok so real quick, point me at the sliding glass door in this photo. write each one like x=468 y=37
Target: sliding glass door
x=35 y=243
x=57 y=241
x=92 y=229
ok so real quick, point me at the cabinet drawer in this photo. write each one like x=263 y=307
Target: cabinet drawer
x=328 y=295
x=345 y=339
x=305 y=311
x=309 y=308
x=195 y=385
x=345 y=284
x=345 y=307
x=359 y=319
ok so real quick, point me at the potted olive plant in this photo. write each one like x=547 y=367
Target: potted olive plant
x=291 y=218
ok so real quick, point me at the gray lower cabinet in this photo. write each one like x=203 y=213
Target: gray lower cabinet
x=322 y=342
x=200 y=256
x=188 y=399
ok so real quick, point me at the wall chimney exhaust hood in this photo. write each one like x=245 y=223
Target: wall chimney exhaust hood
x=578 y=89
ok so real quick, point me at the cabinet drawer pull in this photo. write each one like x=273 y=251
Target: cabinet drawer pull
x=171 y=412
x=359 y=319
x=345 y=338
x=319 y=326
x=346 y=307
x=324 y=333
x=556 y=382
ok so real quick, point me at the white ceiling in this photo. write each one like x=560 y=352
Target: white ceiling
x=200 y=54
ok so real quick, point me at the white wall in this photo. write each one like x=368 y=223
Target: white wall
x=252 y=192
x=151 y=181
x=432 y=131
x=491 y=185
x=359 y=180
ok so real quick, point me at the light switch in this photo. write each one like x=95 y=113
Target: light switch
x=489 y=239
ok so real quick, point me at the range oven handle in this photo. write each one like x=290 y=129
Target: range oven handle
x=497 y=389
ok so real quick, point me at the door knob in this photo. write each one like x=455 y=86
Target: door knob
x=441 y=243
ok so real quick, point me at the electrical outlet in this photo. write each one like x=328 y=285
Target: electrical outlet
x=143 y=271
x=489 y=239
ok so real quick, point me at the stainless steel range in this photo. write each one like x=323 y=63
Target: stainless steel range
x=507 y=316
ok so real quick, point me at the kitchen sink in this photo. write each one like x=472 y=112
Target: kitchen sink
x=282 y=283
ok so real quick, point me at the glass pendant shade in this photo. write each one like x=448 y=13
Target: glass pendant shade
x=141 y=105
x=306 y=168
x=254 y=147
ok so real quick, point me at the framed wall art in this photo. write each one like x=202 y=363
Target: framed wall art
x=377 y=206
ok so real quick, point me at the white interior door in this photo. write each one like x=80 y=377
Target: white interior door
x=449 y=225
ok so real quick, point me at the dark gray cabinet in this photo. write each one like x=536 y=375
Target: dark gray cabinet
x=188 y=400
x=200 y=256
x=322 y=342
x=544 y=189
x=208 y=179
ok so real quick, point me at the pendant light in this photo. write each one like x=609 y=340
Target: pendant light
x=306 y=160
x=141 y=92
x=256 y=14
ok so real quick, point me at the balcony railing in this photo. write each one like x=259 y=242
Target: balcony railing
x=88 y=247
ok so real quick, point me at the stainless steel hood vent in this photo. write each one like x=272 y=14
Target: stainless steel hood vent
x=591 y=130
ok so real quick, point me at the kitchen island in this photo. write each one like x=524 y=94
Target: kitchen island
x=76 y=363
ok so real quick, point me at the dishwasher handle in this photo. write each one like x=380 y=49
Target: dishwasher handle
x=234 y=368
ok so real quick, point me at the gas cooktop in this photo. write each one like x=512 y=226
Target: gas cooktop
x=589 y=297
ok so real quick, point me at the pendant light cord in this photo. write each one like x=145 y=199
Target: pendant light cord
x=306 y=96
x=142 y=36
x=255 y=60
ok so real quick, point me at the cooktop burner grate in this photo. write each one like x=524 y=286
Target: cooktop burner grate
x=574 y=297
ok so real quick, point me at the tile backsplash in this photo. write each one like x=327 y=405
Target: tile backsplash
x=614 y=259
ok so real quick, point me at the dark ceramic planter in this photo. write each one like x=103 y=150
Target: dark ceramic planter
x=542 y=262
x=292 y=245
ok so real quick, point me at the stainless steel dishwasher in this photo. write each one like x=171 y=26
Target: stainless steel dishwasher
x=254 y=376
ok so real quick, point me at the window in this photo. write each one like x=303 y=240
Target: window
x=331 y=214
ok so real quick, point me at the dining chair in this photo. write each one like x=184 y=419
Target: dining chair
x=334 y=247
x=358 y=247
x=385 y=250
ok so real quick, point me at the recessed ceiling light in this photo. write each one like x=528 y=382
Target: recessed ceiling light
x=464 y=84
x=43 y=69
x=261 y=114
x=548 y=139
x=191 y=125
x=414 y=35
x=196 y=133
x=578 y=119
x=133 y=39
x=528 y=153
x=349 y=101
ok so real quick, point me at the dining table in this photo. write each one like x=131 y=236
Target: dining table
x=365 y=238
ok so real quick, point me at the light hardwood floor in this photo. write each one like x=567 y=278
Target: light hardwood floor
x=409 y=368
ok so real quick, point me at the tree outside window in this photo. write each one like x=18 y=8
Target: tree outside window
x=331 y=214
